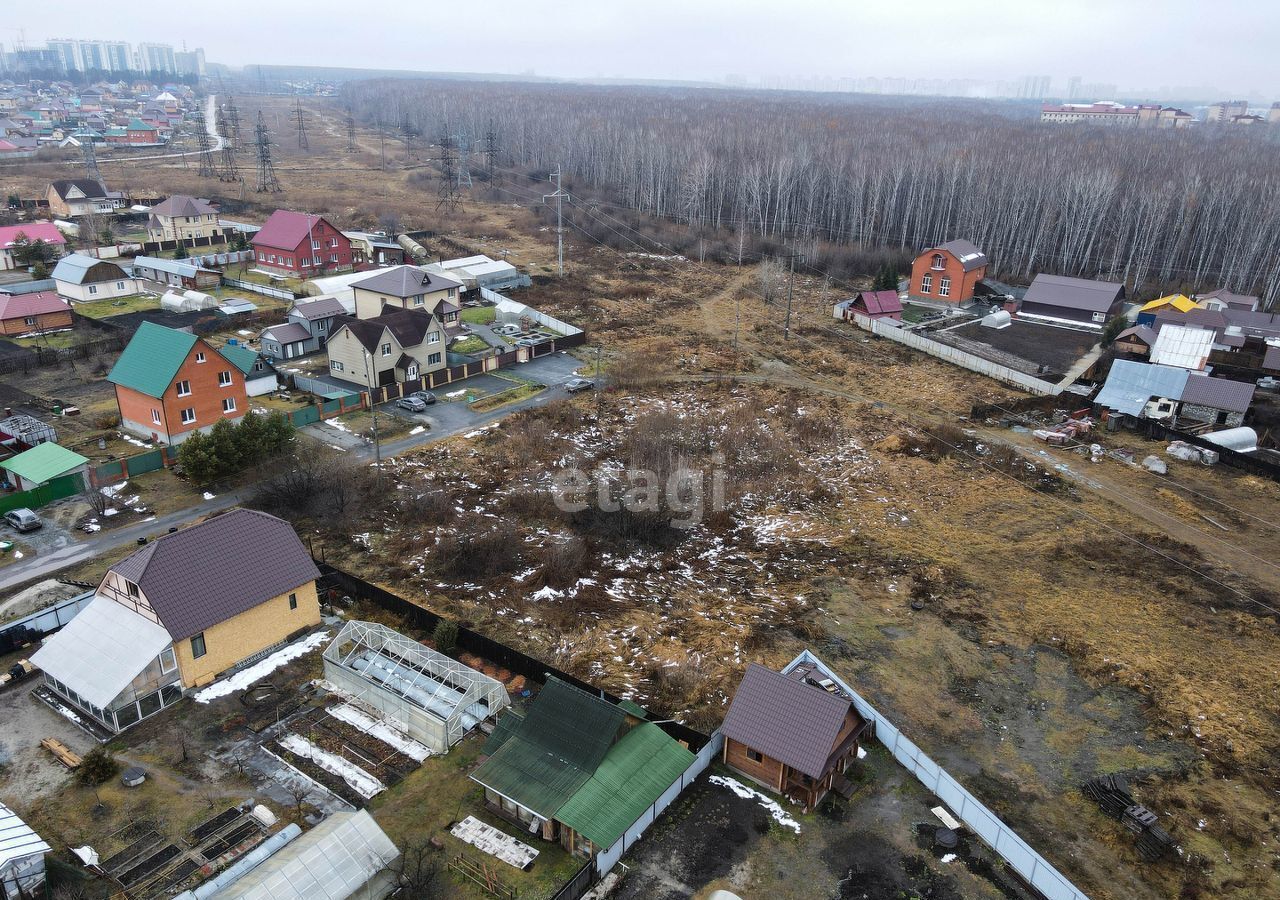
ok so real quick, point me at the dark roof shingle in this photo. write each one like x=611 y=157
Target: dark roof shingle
x=1073 y=293
x=405 y=281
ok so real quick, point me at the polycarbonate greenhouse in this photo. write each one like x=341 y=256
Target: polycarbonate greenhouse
x=435 y=699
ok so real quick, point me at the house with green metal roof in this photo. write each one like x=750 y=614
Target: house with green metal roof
x=41 y=464
x=170 y=383
x=259 y=373
x=580 y=770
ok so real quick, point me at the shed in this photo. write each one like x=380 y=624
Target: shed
x=41 y=464
x=1076 y=301
x=21 y=857
x=436 y=699
x=1184 y=346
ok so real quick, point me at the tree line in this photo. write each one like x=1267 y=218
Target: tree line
x=1158 y=209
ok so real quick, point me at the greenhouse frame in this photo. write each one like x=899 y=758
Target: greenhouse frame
x=436 y=699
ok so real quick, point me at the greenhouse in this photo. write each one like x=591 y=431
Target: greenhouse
x=435 y=699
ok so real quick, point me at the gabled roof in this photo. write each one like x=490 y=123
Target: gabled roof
x=286 y=333
x=93 y=190
x=239 y=356
x=152 y=359
x=180 y=267
x=320 y=308
x=1130 y=385
x=881 y=302
x=1247 y=301
x=75 y=267
x=17 y=839
x=969 y=256
x=408 y=326
x=1206 y=318
x=214 y=571
x=1073 y=293
x=405 y=281
x=629 y=780
x=286 y=229
x=34 y=231
x=43 y=461
x=1218 y=393
x=1142 y=333
x=1176 y=301
x=553 y=750
x=183 y=205
x=782 y=717
x=39 y=303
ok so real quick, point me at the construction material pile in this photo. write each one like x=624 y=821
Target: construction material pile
x=1111 y=793
x=1065 y=432
x=1191 y=453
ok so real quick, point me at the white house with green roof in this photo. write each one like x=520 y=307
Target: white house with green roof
x=41 y=464
x=259 y=374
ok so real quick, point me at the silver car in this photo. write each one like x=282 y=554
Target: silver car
x=411 y=403
x=23 y=520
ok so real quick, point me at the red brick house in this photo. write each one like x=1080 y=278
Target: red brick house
x=794 y=732
x=300 y=244
x=170 y=383
x=40 y=311
x=947 y=273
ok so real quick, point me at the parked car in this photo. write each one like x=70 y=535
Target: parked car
x=23 y=520
x=1267 y=383
x=411 y=403
x=577 y=385
x=425 y=396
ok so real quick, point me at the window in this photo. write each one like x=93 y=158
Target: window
x=228 y=404
x=433 y=337
x=200 y=357
x=131 y=589
x=168 y=662
x=315 y=245
x=29 y=320
x=333 y=242
x=197 y=646
x=452 y=291
x=412 y=372
x=926 y=284
x=155 y=417
x=273 y=258
x=224 y=378
x=93 y=289
x=938 y=262
x=333 y=257
x=944 y=286
x=433 y=359
x=418 y=301
x=754 y=755
x=184 y=388
x=293 y=601
x=386 y=349
x=335 y=365
x=315 y=260
x=189 y=416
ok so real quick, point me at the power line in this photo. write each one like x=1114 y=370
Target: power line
x=300 y=126
x=267 y=180
x=559 y=196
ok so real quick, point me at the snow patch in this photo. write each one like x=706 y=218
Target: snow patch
x=417 y=429
x=356 y=778
x=208 y=496
x=950 y=857
x=243 y=679
x=780 y=815
x=382 y=730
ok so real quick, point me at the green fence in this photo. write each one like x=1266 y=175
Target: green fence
x=145 y=462
x=57 y=489
x=305 y=416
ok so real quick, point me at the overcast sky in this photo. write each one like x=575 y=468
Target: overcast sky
x=1132 y=43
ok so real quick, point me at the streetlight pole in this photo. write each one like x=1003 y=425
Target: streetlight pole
x=373 y=411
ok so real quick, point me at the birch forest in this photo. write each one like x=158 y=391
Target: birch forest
x=1157 y=209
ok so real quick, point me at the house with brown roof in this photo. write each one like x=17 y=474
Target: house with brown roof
x=1072 y=301
x=406 y=287
x=947 y=273
x=795 y=732
x=305 y=330
x=186 y=608
x=878 y=305
x=181 y=218
x=40 y=311
x=397 y=346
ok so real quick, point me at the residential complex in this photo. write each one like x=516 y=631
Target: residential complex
x=71 y=55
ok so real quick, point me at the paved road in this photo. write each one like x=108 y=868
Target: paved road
x=210 y=126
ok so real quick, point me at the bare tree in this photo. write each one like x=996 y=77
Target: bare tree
x=417 y=872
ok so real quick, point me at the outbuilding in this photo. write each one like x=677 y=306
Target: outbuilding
x=1072 y=301
x=82 y=279
x=41 y=464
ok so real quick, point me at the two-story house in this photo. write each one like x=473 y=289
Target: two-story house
x=170 y=383
x=74 y=197
x=399 y=345
x=300 y=244
x=306 y=329
x=84 y=279
x=407 y=287
x=175 y=615
x=181 y=218
x=947 y=273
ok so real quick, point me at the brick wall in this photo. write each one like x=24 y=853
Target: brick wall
x=962 y=282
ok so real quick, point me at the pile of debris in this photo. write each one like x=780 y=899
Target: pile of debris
x=1066 y=431
x=1111 y=793
x=1191 y=453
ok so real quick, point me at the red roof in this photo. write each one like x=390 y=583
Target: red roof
x=35 y=231
x=286 y=229
x=19 y=306
x=881 y=303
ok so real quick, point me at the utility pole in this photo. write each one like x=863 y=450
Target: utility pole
x=559 y=196
x=791 y=277
x=267 y=181
x=300 y=125
x=373 y=411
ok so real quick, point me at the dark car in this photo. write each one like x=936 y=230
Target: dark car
x=577 y=385
x=425 y=396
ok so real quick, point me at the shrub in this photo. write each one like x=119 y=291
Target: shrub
x=228 y=448
x=97 y=767
x=445 y=635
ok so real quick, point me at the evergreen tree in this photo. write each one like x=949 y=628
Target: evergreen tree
x=180 y=252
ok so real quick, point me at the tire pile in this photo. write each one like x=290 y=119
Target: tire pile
x=1111 y=793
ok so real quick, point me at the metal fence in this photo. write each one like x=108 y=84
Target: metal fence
x=42 y=621
x=515 y=307
x=886 y=328
x=131 y=466
x=263 y=289
x=1019 y=855
x=55 y=489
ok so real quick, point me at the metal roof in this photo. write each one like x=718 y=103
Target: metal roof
x=782 y=717
x=240 y=356
x=179 y=267
x=32 y=231
x=632 y=776
x=319 y=308
x=184 y=205
x=1073 y=293
x=152 y=359
x=214 y=571
x=1186 y=347
x=102 y=650
x=44 y=461
x=405 y=281
x=286 y=229
x=17 y=839
x=969 y=256
x=1130 y=385
x=38 y=303
x=1219 y=393
x=332 y=861
x=74 y=268
x=287 y=333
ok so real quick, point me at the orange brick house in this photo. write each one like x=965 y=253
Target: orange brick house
x=947 y=273
x=170 y=383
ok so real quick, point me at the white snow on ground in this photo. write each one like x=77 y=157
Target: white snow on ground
x=457 y=393
x=259 y=670
x=338 y=424
x=112 y=489
x=862 y=753
x=417 y=429
x=547 y=593
x=64 y=711
x=356 y=778
x=950 y=857
x=779 y=814
x=382 y=730
x=208 y=496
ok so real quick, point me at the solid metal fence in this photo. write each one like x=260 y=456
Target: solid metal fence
x=263 y=289
x=55 y=489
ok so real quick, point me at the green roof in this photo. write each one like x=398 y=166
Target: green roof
x=630 y=779
x=633 y=708
x=44 y=461
x=139 y=125
x=152 y=359
x=552 y=752
x=239 y=356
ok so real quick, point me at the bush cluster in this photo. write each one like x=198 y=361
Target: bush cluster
x=229 y=447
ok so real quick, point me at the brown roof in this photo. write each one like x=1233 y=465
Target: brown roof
x=405 y=281
x=182 y=205
x=1218 y=393
x=409 y=326
x=1073 y=293
x=320 y=308
x=214 y=571
x=970 y=257
x=782 y=717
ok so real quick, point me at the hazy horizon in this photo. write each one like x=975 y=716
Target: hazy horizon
x=1103 y=42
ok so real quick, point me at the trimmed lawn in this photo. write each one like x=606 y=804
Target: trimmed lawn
x=472 y=344
x=519 y=392
x=479 y=315
x=101 y=309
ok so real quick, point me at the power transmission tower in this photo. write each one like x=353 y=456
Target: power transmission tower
x=464 y=164
x=300 y=125
x=90 y=158
x=267 y=181
x=232 y=117
x=559 y=197
x=206 y=153
x=449 y=198
x=407 y=134
x=351 y=133
x=491 y=152
x=229 y=170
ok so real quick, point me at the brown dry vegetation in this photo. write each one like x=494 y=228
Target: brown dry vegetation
x=1051 y=648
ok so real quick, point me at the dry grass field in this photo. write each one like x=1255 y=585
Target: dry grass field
x=1077 y=619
